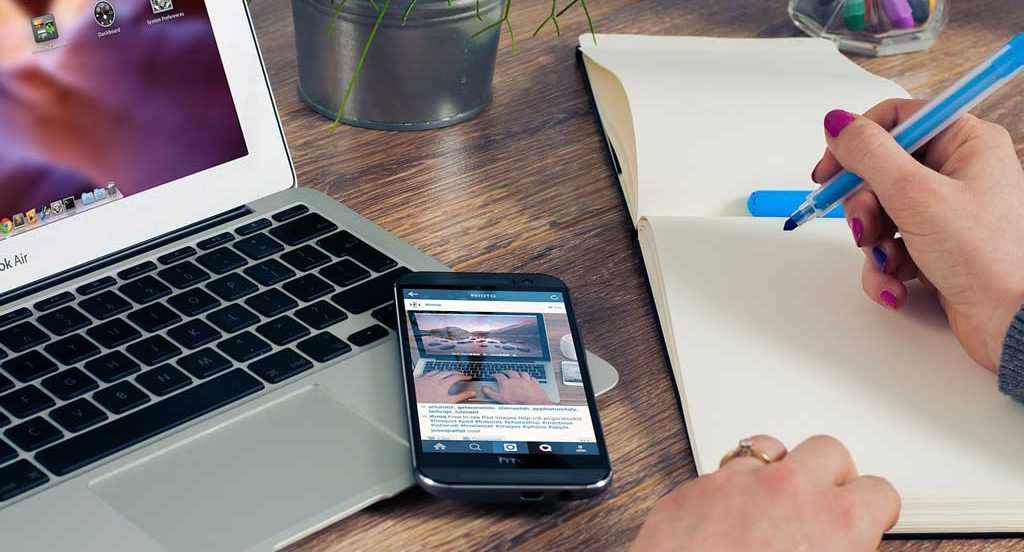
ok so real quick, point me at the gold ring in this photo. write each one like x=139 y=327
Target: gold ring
x=745 y=449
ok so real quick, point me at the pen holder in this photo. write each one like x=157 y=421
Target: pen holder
x=873 y=27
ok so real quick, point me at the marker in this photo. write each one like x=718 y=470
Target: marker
x=899 y=13
x=780 y=203
x=853 y=15
x=922 y=9
x=936 y=116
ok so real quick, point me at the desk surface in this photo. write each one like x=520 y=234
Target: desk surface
x=527 y=186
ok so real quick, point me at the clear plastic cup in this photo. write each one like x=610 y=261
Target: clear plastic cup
x=873 y=27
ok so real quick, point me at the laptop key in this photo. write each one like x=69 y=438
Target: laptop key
x=25 y=401
x=96 y=285
x=33 y=434
x=193 y=334
x=371 y=293
x=193 y=302
x=19 y=478
x=72 y=349
x=282 y=330
x=63 y=321
x=204 y=363
x=131 y=429
x=29 y=366
x=221 y=260
x=258 y=247
x=113 y=333
x=54 y=302
x=269 y=272
x=137 y=270
x=163 y=380
x=308 y=287
x=252 y=227
x=14 y=316
x=183 y=275
x=232 y=287
x=7 y=453
x=153 y=350
x=233 y=318
x=153 y=318
x=303 y=229
x=175 y=256
x=387 y=315
x=121 y=397
x=290 y=213
x=105 y=305
x=112 y=366
x=271 y=302
x=215 y=241
x=145 y=290
x=280 y=366
x=344 y=273
x=22 y=337
x=366 y=336
x=5 y=384
x=305 y=258
x=244 y=347
x=345 y=244
x=323 y=347
x=77 y=415
x=69 y=384
x=320 y=315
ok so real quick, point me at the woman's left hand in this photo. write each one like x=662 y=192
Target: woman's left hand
x=809 y=499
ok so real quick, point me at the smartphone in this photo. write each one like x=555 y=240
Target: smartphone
x=491 y=418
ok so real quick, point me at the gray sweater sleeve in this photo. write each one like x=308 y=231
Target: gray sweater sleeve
x=1011 y=365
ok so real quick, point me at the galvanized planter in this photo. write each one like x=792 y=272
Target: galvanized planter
x=430 y=73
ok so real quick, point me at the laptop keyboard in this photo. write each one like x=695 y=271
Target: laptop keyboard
x=485 y=370
x=121 y=360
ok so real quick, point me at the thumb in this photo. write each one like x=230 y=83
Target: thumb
x=906 y=189
x=490 y=393
x=464 y=396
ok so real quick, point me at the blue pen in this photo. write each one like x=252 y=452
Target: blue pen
x=781 y=203
x=916 y=131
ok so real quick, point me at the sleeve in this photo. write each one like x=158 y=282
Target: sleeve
x=1011 y=364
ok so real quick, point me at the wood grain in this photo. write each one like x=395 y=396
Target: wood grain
x=526 y=187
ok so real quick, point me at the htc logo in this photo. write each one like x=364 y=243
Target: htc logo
x=8 y=263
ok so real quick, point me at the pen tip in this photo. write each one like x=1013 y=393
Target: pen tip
x=790 y=225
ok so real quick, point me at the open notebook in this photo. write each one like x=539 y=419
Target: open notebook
x=770 y=332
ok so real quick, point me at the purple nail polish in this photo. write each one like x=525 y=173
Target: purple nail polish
x=857 y=227
x=836 y=120
x=880 y=257
x=888 y=298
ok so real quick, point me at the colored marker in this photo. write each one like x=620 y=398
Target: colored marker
x=781 y=203
x=853 y=15
x=921 y=9
x=930 y=120
x=899 y=13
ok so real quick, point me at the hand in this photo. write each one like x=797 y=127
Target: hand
x=516 y=388
x=809 y=499
x=957 y=211
x=435 y=387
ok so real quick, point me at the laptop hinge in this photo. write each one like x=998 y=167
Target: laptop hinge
x=118 y=256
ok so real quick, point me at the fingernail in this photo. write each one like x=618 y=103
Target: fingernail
x=880 y=257
x=836 y=120
x=814 y=172
x=888 y=298
x=857 y=227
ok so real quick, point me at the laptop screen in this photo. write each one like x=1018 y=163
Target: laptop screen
x=103 y=100
x=480 y=336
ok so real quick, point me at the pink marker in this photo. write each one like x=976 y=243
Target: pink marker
x=899 y=13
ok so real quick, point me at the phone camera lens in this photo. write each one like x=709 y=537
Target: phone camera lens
x=527 y=280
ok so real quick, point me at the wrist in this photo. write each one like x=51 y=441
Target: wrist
x=1002 y=318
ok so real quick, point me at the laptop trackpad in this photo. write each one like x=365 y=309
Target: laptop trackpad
x=292 y=462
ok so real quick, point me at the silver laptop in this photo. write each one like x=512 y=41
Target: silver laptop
x=194 y=354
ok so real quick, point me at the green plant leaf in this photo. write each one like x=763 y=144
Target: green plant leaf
x=359 y=65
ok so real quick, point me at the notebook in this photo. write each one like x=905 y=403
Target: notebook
x=769 y=332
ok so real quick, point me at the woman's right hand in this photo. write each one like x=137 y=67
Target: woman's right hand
x=959 y=212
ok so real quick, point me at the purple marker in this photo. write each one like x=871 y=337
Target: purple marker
x=899 y=13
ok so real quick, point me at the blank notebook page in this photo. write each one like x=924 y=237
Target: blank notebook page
x=774 y=335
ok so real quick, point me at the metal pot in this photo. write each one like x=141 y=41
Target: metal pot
x=432 y=72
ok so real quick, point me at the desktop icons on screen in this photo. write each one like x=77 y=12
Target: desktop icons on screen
x=12 y=224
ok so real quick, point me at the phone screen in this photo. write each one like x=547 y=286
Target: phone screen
x=487 y=372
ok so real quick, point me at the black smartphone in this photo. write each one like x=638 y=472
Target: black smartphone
x=491 y=418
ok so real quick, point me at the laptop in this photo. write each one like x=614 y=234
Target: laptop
x=484 y=346
x=194 y=354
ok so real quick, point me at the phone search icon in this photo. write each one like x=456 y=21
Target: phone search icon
x=545 y=447
x=474 y=446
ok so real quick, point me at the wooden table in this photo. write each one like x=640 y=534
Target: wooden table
x=526 y=187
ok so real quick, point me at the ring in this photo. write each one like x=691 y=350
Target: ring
x=745 y=449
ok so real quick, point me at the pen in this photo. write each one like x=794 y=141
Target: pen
x=780 y=203
x=933 y=118
x=899 y=13
x=853 y=15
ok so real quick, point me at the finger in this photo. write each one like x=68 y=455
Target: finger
x=864 y=216
x=765 y=443
x=875 y=500
x=885 y=289
x=464 y=396
x=888 y=256
x=907 y=269
x=500 y=377
x=826 y=168
x=456 y=376
x=824 y=457
x=492 y=394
